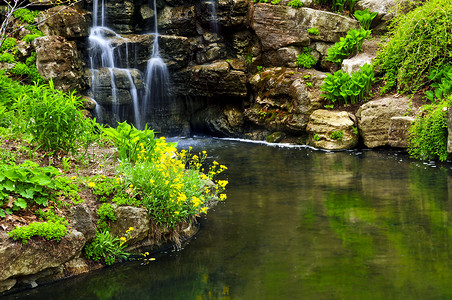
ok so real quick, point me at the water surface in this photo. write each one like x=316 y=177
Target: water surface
x=300 y=224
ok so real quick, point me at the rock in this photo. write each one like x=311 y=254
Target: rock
x=283 y=57
x=220 y=121
x=275 y=137
x=177 y=20
x=17 y=259
x=386 y=10
x=88 y=103
x=130 y=216
x=281 y=26
x=282 y=100
x=374 y=118
x=68 y=22
x=121 y=16
x=230 y=13
x=332 y=130
x=82 y=221
x=76 y=266
x=212 y=80
x=399 y=131
x=146 y=12
x=7 y=284
x=59 y=60
x=102 y=90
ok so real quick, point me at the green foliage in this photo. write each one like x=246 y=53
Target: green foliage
x=128 y=139
x=316 y=137
x=339 y=5
x=365 y=17
x=337 y=135
x=418 y=42
x=9 y=45
x=260 y=69
x=442 y=83
x=48 y=230
x=26 y=15
x=306 y=60
x=313 y=31
x=295 y=3
x=55 y=121
x=345 y=89
x=106 y=247
x=31 y=60
x=24 y=184
x=21 y=69
x=7 y=57
x=275 y=2
x=350 y=45
x=30 y=37
x=49 y=215
x=105 y=212
x=428 y=133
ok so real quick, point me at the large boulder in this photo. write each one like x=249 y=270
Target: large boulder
x=332 y=130
x=374 y=118
x=17 y=259
x=58 y=59
x=280 y=26
x=68 y=22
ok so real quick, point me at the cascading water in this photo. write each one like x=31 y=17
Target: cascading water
x=213 y=16
x=157 y=78
x=109 y=64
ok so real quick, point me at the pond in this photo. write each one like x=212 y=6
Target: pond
x=300 y=223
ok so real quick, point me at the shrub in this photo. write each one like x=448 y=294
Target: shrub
x=428 y=133
x=26 y=15
x=106 y=213
x=306 y=60
x=344 y=88
x=55 y=121
x=106 y=247
x=8 y=44
x=21 y=69
x=417 y=43
x=442 y=83
x=337 y=135
x=347 y=46
x=30 y=37
x=48 y=230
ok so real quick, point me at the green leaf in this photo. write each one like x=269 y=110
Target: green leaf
x=21 y=203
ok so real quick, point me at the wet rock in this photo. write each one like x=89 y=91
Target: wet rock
x=68 y=22
x=220 y=121
x=374 y=118
x=88 y=103
x=58 y=59
x=284 y=57
x=332 y=130
x=102 y=89
x=121 y=16
x=281 y=26
x=275 y=137
x=386 y=10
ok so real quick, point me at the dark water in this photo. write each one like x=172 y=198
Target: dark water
x=300 y=224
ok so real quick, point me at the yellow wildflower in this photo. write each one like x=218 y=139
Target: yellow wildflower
x=91 y=184
x=223 y=196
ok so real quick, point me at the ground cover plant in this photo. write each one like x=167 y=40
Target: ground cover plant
x=417 y=43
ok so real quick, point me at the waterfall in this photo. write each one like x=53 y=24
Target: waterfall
x=213 y=16
x=157 y=77
x=104 y=56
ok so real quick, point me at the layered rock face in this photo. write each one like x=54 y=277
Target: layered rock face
x=232 y=68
